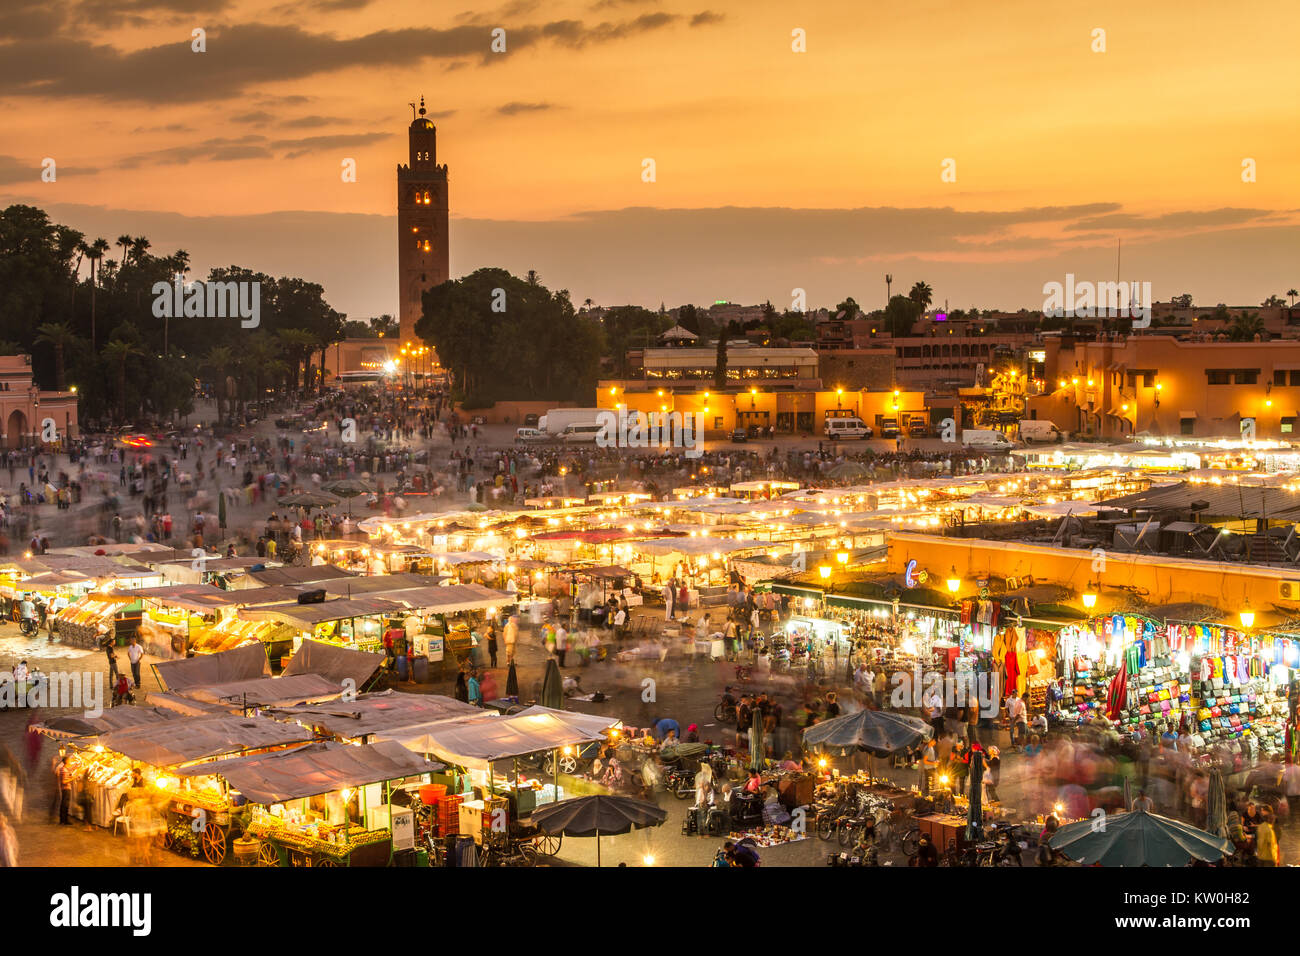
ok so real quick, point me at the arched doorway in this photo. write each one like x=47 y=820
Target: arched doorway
x=15 y=429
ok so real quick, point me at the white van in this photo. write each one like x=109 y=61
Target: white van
x=584 y=432
x=1039 y=430
x=847 y=427
x=986 y=438
x=530 y=435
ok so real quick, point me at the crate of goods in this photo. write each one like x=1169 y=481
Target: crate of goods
x=449 y=813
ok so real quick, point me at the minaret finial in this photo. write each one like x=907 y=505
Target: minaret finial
x=421 y=104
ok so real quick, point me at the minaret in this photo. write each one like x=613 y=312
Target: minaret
x=421 y=223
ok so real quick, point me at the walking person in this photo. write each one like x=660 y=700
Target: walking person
x=64 y=774
x=492 y=643
x=134 y=652
x=561 y=643
x=511 y=636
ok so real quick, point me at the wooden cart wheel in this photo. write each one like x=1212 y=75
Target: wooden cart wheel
x=326 y=861
x=568 y=763
x=214 y=843
x=168 y=840
x=548 y=844
x=268 y=855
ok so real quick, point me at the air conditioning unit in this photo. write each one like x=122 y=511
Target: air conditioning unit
x=1288 y=590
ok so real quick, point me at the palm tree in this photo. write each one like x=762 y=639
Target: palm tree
x=125 y=242
x=139 y=246
x=532 y=277
x=218 y=359
x=60 y=336
x=922 y=295
x=587 y=304
x=95 y=254
x=116 y=352
x=1245 y=327
x=1292 y=293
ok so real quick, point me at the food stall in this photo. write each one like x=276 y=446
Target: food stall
x=323 y=804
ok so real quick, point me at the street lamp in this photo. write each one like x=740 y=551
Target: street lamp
x=954 y=582
x=824 y=570
x=1247 y=617
x=1090 y=600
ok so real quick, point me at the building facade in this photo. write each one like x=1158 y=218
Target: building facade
x=422 y=241
x=27 y=411
x=1119 y=385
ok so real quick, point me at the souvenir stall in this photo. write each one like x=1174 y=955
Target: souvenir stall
x=323 y=804
x=813 y=645
x=356 y=623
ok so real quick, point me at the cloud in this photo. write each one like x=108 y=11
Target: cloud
x=706 y=17
x=307 y=122
x=255 y=118
x=14 y=170
x=514 y=109
x=242 y=57
x=1190 y=219
x=293 y=148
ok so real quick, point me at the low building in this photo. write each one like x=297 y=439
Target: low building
x=31 y=414
x=1120 y=385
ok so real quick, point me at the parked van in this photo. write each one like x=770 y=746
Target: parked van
x=583 y=432
x=986 y=438
x=1039 y=430
x=530 y=435
x=850 y=427
x=889 y=428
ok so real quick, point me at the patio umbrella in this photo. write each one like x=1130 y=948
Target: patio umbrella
x=879 y=732
x=310 y=499
x=512 y=681
x=552 y=686
x=594 y=815
x=756 y=741
x=1216 y=806
x=1138 y=838
x=348 y=488
x=975 y=818
x=847 y=470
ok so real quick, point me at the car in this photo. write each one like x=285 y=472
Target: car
x=918 y=430
x=530 y=420
x=889 y=428
x=738 y=435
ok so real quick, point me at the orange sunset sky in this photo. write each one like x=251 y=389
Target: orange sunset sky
x=775 y=169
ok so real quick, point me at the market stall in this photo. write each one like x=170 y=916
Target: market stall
x=324 y=804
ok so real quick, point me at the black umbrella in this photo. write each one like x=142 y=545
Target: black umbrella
x=879 y=732
x=975 y=818
x=552 y=687
x=594 y=815
x=1138 y=838
x=512 y=681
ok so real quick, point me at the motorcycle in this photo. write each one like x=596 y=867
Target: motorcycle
x=28 y=625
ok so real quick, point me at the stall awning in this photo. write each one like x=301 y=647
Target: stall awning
x=476 y=742
x=312 y=770
x=307 y=575
x=455 y=558
x=169 y=743
x=795 y=590
x=203 y=598
x=115 y=718
x=374 y=713
x=267 y=691
x=343 y=666
x=1191 y=414
x=304 y=616
x=241 y=664
x=453 y=598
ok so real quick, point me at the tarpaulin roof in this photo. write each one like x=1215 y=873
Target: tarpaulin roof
x=334 y=663
x=240 y=664
x=452 y=598
x=293 y=575
x=169 y=743
x=115 y=718
x=372 y=713
x=314 y=769
x=608 y=571
x=265 y=691
x=468 y=557
x=697 y=546
x=192 y=597
x=478 y=741
x=1226 y=501
x=304 y=616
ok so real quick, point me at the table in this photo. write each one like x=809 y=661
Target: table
x=944 y=828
